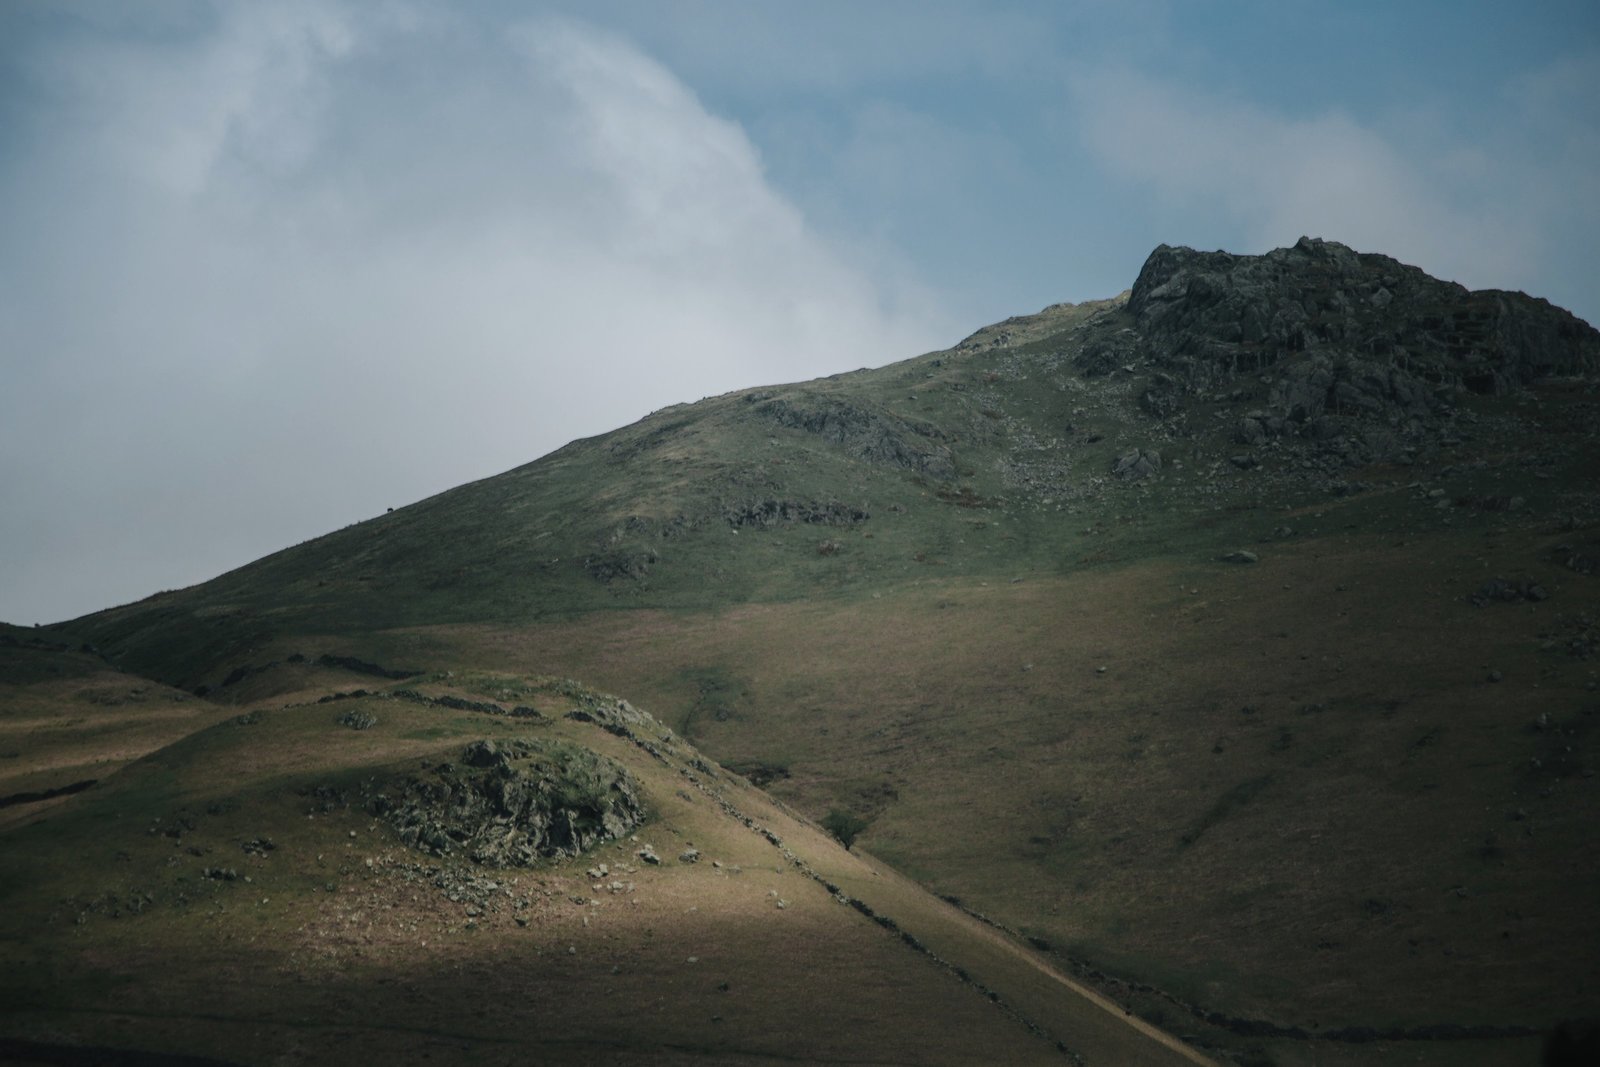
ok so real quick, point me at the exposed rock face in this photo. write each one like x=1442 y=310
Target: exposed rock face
x=868 y=434
x=1354 y=333
x=776 y=512
x=512 y=803
x=618 y=717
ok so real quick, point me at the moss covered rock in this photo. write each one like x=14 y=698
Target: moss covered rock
x=510 y=803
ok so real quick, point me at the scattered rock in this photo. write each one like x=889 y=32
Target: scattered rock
x=615 y=717
x=1578 y=560
x=689 y=855
x=1240 y=555
x=357 y=720
x=768 y=513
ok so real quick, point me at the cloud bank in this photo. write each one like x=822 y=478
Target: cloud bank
x=270 y=268
x=1490 y=206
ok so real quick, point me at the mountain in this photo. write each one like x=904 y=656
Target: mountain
x=1224 y=648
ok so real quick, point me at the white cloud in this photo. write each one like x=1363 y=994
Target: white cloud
x=1240 y=167
x=168 y=112
x=307 y=261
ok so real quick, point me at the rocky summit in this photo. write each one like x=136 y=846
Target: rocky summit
x=1207 y=674
x=1368 y=352
x=1320 y=297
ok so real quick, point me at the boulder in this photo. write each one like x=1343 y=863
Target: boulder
x=1163 y=398
x=1135 y=464
x=484 y=754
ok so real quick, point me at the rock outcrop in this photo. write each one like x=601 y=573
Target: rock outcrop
x=1348 y=333
x=766 y=513
x=866 y=433
x=512 y=803
x=1320 y=295
x=1136 y=463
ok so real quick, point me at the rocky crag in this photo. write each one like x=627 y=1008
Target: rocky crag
x=1362 y=350
x=511 y=803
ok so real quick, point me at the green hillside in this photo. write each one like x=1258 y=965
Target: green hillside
x=1228 y=645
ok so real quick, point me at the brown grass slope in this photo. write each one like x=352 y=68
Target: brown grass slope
x=68 y=719
x=147 y=916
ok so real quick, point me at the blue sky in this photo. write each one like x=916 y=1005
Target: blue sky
x=269 y=268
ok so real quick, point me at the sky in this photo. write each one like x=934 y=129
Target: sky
x=269 y=268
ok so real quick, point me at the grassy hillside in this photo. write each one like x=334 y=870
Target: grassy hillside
x=241 y=895
x=69 y=719
x=1230 y=642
